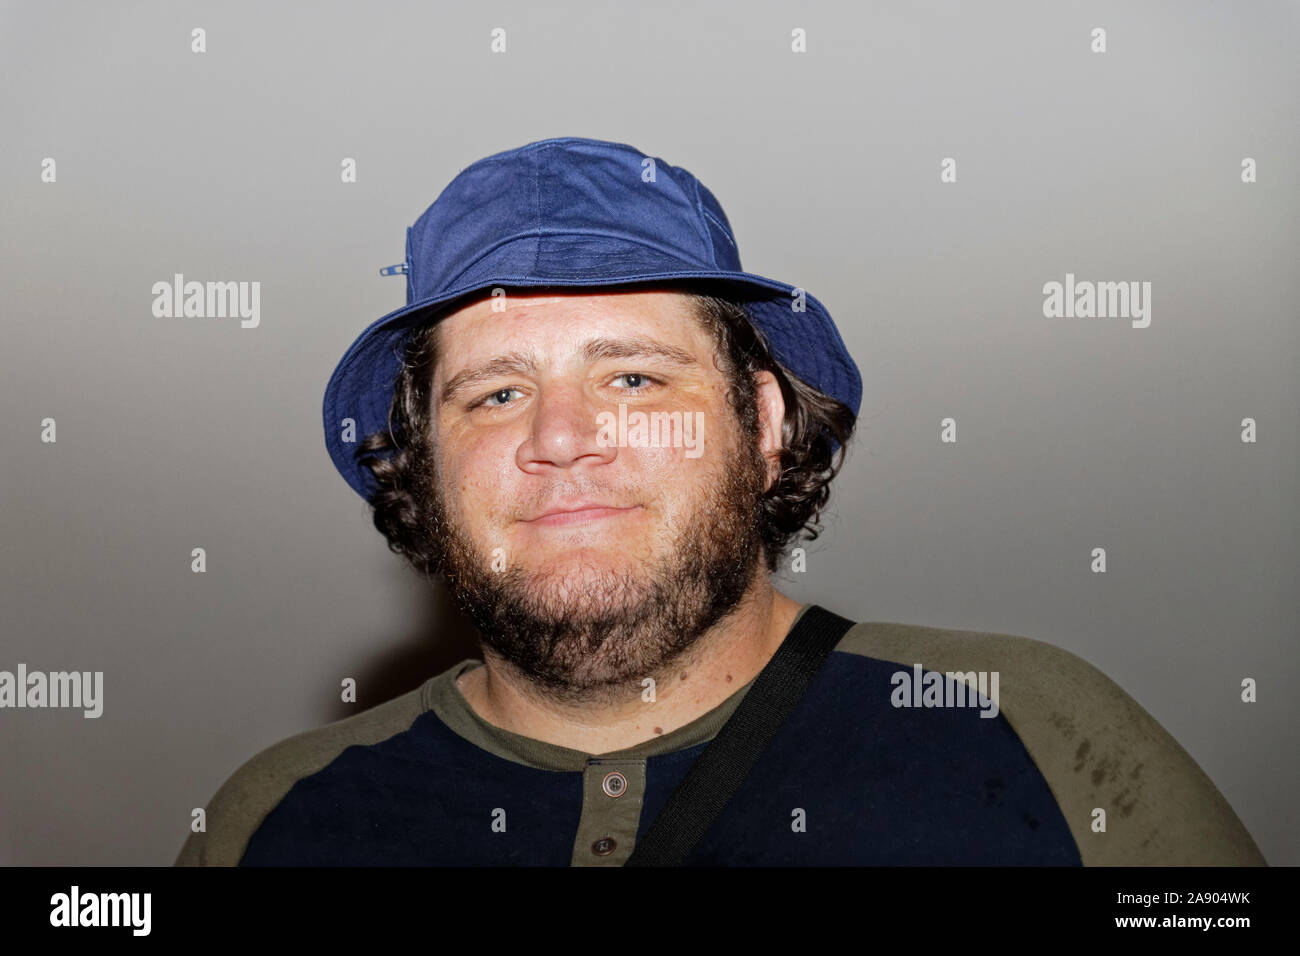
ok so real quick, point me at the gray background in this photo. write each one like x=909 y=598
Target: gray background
x=1073 y=433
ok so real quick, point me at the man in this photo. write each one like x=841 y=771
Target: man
x=604 y=436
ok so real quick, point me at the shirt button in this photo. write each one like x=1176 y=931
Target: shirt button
x=604 y=846
x=614 y=784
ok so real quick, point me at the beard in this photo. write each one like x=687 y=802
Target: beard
x=590 y=631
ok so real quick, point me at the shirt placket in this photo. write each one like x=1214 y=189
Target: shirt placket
x=612 y=794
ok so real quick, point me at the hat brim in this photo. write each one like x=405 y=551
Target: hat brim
x=361 y=386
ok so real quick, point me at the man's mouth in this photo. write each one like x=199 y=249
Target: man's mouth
x=580 y=514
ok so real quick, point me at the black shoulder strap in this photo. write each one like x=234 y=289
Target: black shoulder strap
x=719 y=771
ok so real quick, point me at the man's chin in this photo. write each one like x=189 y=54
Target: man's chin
x=603 y=568
x=586 y=595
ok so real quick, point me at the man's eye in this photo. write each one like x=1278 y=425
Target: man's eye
x=640 y=377
x=487 y=399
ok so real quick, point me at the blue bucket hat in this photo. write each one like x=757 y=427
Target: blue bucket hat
x=570 y=212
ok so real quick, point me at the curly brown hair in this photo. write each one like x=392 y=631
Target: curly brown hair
x=399 y=456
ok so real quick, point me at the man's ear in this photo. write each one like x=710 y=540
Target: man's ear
x=771 y=418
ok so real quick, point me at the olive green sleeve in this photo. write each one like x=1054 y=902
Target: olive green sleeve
x=238 y=808
x=1095 y=746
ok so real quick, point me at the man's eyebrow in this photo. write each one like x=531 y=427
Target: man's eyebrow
x=525 y=363
x=512 y=363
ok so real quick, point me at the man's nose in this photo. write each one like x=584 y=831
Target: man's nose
x=565 y=429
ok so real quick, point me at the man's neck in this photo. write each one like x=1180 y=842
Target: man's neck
x=720 y=663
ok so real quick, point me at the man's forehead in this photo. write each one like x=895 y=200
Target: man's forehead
x=589 y=325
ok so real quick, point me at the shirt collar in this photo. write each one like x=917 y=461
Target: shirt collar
x=443 y=697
